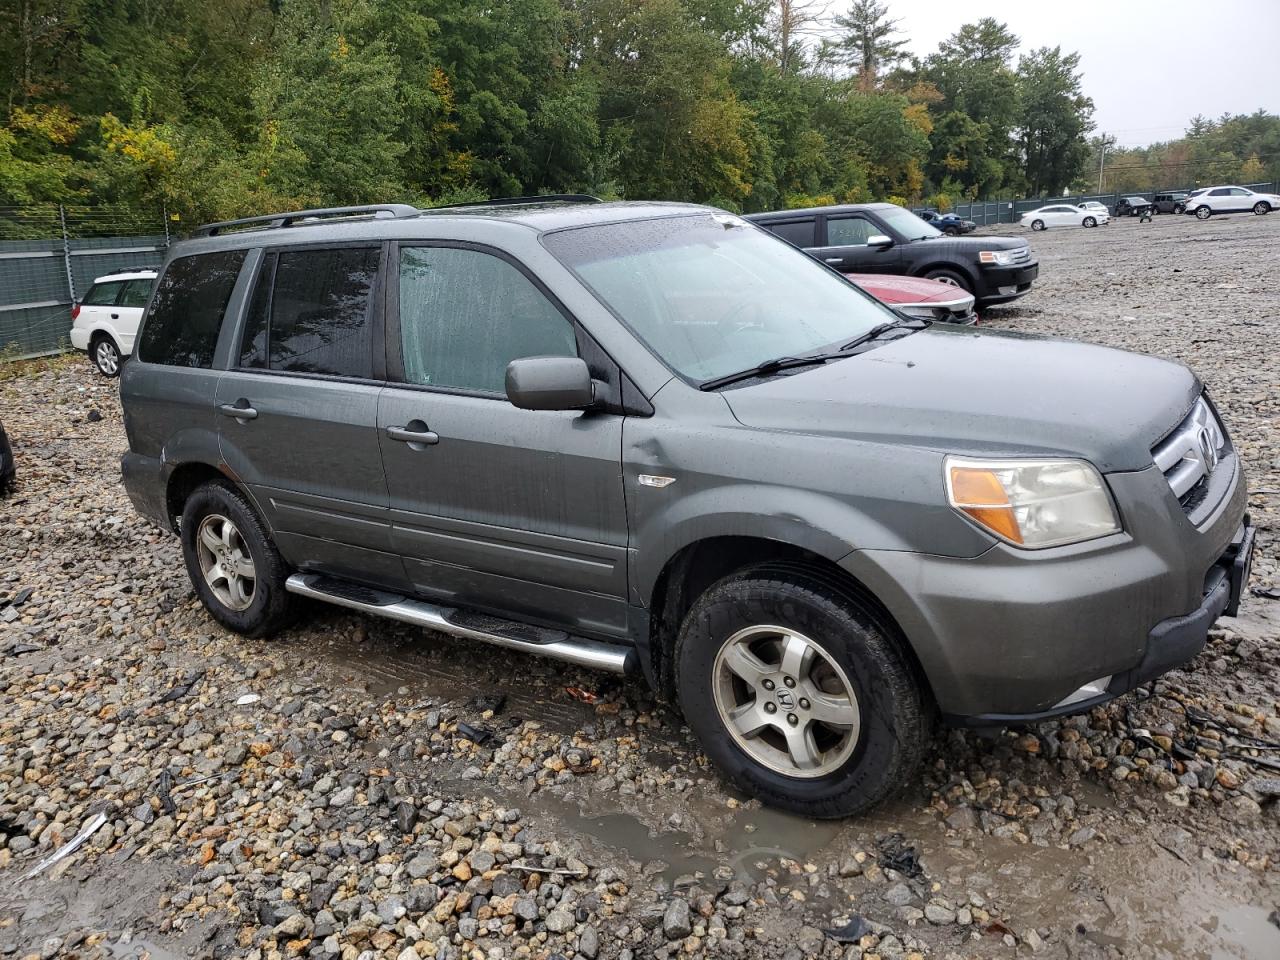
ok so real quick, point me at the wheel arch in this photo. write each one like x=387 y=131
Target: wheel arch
x=696 y=566
x=183 y=480
x=957 y=268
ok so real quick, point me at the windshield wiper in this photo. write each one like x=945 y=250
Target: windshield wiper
x=767 y=369
x=770 y=367
x=880 y=329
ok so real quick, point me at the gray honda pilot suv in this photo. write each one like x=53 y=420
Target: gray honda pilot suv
x=655 y=437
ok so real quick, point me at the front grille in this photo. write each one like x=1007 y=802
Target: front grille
x=1021 y=255
x=1189 y=455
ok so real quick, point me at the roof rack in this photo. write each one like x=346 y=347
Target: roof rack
x=277 y=221
x=513 y=201
x=141 y=269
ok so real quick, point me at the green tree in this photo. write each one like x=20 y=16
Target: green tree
x=1055 y=116
x=867 y=41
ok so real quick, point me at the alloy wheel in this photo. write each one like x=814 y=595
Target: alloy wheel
x=1203 y=213
x=107 y=357
x=225 y=562
x=785 y=701
x=1260 y=208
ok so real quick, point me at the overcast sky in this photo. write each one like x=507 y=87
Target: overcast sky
x=1140 y=64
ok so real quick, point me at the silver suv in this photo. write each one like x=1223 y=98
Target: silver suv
x=656 y=438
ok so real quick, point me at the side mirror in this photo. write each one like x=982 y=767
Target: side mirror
x=879 y=241
x=550 y=383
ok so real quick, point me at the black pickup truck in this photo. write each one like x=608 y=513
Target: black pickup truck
x=885 y=238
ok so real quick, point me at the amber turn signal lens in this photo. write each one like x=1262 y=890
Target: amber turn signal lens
x=980 y=494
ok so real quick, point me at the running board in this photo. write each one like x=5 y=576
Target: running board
x=557 y=644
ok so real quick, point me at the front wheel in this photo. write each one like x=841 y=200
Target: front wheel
x=1203 y=213
x=106 y=356
x=949 y=277
x=234 y=566
x=1261 y=208
x=798 y=694
x=1090 y=222
x=1037 y=224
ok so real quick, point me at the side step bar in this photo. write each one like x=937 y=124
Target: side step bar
x=557 y=644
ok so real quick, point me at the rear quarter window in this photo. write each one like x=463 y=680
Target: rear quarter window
x=102 y=294
x=799 y=232
x=181 y=329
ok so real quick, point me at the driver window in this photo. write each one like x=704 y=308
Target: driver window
x=464 y=315
x=849 y=231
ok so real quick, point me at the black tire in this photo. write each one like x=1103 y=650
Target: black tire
x=104 y=354
x=1261 y=208
x=1179 y=208
x=953 y=277
x=1203 y=213
x=951 y=231
x=895 y=714
x=1037 y=224
x=272 y=607
x=1090 y=222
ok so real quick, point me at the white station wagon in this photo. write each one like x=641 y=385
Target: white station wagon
x=104 y=323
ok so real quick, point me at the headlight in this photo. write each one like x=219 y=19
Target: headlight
x=926 y=311
x=1002 y=257
x=1032 y=503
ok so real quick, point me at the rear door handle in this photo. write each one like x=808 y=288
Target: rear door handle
x=833 y=259
x=240 y=413
x=413 y=436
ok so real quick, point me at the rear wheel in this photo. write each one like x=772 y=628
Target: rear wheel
x=1179 y=208
x=235 y=568
x=1203 y=213
x=1261 y=207
x=798 y=694
x=105 y=355
x=1090 y=222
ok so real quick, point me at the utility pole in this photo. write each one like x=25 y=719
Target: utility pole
x=1102 y=158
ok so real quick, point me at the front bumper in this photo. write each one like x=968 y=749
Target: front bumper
x=1013 y=636
x=1002 y=284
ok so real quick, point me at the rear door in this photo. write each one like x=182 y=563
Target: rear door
x=1220 y=200
x=298 y=411
x=492 y=507
x=129 y=306
x=845 y=246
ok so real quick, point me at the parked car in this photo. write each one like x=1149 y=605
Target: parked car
x=1096 y=208
x=1131 y=206
x=1204 y=203
x=948 y=223
x=105 y=322
x=918 y=297
x=1062 y=215
x=1174 y=202
x=652 y=437
x=885 y=238
x=8 y=466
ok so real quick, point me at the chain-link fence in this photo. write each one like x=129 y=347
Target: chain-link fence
x=49 y=257
x=1009 y=211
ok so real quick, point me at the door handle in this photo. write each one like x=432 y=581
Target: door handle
x=833 y=259
x=411 y=437
x=240 y=413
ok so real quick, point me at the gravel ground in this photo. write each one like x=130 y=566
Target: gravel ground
x=364 y=790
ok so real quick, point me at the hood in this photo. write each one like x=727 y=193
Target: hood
x=983 y=393
x=973 y=244
x=892 y=288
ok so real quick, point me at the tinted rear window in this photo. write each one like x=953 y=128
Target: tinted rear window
x=800 y=233
x=182 y=327
x=135 y=293
x=310 y=313
x=102 y=294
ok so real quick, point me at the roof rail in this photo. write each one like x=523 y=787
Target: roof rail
x=276 y=221
x=144 y=267
x=513 y=201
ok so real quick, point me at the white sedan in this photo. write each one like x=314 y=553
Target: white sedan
x=1205 y=203
x=1063 y=215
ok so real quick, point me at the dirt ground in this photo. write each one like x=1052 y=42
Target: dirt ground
x=348 y=814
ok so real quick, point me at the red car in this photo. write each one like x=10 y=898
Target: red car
x=918 y=297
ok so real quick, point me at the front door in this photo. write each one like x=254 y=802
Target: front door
x=846 y=246
x=492 y=507
x=298 y=411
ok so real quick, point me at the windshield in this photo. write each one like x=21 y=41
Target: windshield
x=712 y=294
x=908 y=224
